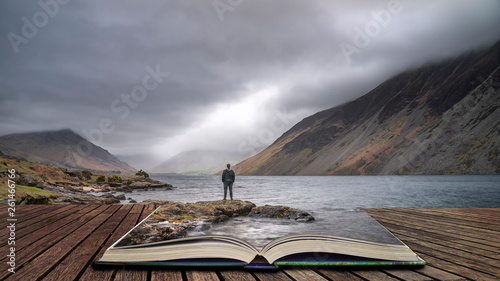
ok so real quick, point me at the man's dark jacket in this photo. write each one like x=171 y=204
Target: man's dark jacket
x=228 y=175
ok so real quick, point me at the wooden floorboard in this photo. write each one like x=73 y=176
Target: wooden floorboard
x=62 y=242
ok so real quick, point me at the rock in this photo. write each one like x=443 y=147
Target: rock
x=283 y=212
x=132 y=201
x=177 y=219
x=121 y=197
x=75 y=173
x=140 y=185
x=40 y=199
x=27 y=180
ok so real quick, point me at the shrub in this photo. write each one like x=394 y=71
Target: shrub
x=115 y=178
x=87 y=174
x=142 y=173
x=101 y=178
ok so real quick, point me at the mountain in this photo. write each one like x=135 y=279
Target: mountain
x=441 y=118
x=62 y=148
x=199 y=162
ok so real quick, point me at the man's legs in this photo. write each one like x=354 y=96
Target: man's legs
x=230 y=190
x=225 y=190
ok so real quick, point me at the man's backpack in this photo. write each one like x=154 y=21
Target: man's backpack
x=229 y=176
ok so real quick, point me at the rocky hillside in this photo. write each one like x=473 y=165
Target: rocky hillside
x=62 y=148
x=442 y=118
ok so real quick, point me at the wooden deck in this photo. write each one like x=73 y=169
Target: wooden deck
x=60 y=242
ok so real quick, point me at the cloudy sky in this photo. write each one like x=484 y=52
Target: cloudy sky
x=161 y=77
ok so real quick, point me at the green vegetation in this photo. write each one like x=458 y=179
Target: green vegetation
x=24 y=192
x=87 y=174
x=115 y=178
x=142 y=173
x=101 y=178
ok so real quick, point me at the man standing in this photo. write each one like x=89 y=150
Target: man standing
x=228 y=178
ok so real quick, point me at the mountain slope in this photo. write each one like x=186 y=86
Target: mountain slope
x=61 y=148
x=440 y=118
x=199 y=162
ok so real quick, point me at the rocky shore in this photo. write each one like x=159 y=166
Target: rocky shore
x=176 y=219
x=46 y=184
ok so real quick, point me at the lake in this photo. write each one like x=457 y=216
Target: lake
x=329 y=199
x=338 y=192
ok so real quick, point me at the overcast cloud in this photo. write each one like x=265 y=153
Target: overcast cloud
x=161 y=77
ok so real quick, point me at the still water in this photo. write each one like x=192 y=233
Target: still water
x=317 y=193
x=334 y=201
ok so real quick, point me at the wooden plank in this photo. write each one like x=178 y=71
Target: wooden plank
x=27 y=226
x=440 y=227
x=407 y=274
x=163 y=275
x=34 y=224
x=27 y=212
x=465 y=226
x=452 y=218
x=455 y=269
x=128 y=274
x=438 y=274
x=373 y=275
x=440 y=223
x=456 y=255
x=453 y=256
x=42 y=264
x=48 y=226
x=236 y=275
x=138 y=210
x=477 y=215
x=71 y=267
x=201 y=275
x=304 y=274
x=336 y=274
x=102 y=273
x=29 y=252
x=272 y=276
x=483 y=252
x=444 y=260
x=148 y=209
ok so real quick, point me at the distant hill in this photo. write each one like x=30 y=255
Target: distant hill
x=441 y=118
x=62 y=148
x=199 y=162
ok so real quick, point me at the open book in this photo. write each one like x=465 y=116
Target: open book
x=289 y=250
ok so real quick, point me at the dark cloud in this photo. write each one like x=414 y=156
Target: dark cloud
x=73 y=65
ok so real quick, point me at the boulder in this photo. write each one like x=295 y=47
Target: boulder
x=281 y=212
x=27 y=180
